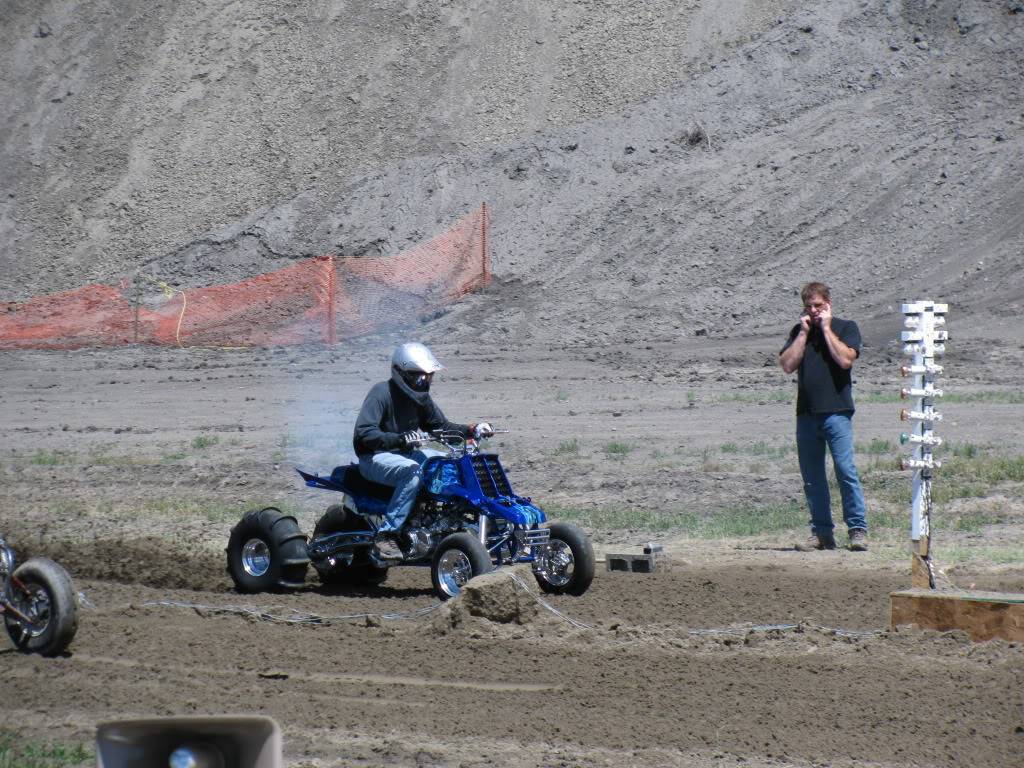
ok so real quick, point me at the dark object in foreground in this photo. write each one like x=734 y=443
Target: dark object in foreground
x=226 y=741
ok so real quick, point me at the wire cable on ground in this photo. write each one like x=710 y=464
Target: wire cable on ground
x=541 y=601
x=298 y=617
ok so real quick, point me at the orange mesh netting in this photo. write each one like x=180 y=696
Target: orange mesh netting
x=372 y=292
x=289 y=306
x=90 y=316
x=320 y=299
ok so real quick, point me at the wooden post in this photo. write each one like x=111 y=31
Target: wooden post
x=331 y=328
x=485 y=259
x=982 y=615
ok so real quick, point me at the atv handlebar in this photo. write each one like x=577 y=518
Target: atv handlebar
x=456 y=442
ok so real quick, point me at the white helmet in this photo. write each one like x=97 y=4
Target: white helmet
x=412 y=368
x=415 y=357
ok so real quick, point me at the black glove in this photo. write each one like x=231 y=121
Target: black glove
x=413 y=439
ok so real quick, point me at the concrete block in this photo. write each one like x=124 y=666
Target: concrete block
x=982 y=615
x=630 y=563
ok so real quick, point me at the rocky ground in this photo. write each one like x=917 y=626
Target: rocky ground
x=130 y=467
x=661 y=180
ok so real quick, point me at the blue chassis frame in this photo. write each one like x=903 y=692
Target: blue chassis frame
x=440 y=482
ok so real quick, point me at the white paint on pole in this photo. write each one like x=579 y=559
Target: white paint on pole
x=922 y=319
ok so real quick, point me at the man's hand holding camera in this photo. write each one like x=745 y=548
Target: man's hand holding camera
x=825 y=317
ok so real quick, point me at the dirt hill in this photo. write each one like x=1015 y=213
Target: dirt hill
x=655 y=171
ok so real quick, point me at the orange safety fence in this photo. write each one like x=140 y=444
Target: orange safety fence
x=314 y=300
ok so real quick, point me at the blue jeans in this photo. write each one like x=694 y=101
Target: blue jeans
x=813 y=432
x=403 y=472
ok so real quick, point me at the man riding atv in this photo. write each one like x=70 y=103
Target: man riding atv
x=390 y=430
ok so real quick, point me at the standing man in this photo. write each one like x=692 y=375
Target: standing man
x=821 y=349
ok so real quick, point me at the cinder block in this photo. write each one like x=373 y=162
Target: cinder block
x=982 y=615
x=630 y=563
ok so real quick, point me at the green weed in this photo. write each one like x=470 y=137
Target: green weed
x=1003 y=396
x=51 y=458
x=17 y=753
x=708 y=463
x=877 y=396
x=123 y=460
x=570 y=446
x=972 y=474
x=876 y=447
x=729 y=448
x=757 y=398
x=618 y=450
x=761 y=448
x=973 y=521
x=281 y=453
x=963 y=450
x=561 y=396
x=995 y=555
x=737 y=522
x=204 y=441
x=191 y=509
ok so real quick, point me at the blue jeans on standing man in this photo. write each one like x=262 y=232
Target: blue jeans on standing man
x=813 y=432
x=403 y=472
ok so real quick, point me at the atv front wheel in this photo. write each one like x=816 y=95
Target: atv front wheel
x=458 y=558
x=361 y=571
x=41 y=591
x=567 y=564
x=267 y=551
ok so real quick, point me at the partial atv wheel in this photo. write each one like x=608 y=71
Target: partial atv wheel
x=360 y=572
x=567 y=566
x=41 y=591
x=267 y=551
x=458 y=558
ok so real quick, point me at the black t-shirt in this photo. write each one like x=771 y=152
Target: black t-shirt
x=822 y=385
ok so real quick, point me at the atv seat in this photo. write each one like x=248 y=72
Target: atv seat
x=352 y=480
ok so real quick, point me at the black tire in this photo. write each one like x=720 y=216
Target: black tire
x=571 y=568
x=458 y=558
x=360 y=572
x=48 y=598
x=267 y=552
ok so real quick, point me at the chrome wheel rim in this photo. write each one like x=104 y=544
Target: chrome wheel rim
x=36 y=607
x=256 y=557
x=453 y=571
x=560 y=563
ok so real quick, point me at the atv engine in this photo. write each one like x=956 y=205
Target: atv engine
x=430 y=522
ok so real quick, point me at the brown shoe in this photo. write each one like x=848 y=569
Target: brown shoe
x=815 y=542
x=858 y=540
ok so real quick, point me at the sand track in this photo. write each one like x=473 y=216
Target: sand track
x=667 y=665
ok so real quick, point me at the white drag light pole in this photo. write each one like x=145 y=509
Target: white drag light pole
x=924 y=340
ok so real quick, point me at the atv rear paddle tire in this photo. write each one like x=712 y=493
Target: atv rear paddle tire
x=267 y=552
x=361 y=572
x=568 y=562
x=458 y=558
x=41 y=591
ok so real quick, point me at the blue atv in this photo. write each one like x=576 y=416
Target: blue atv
x=466 y=521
